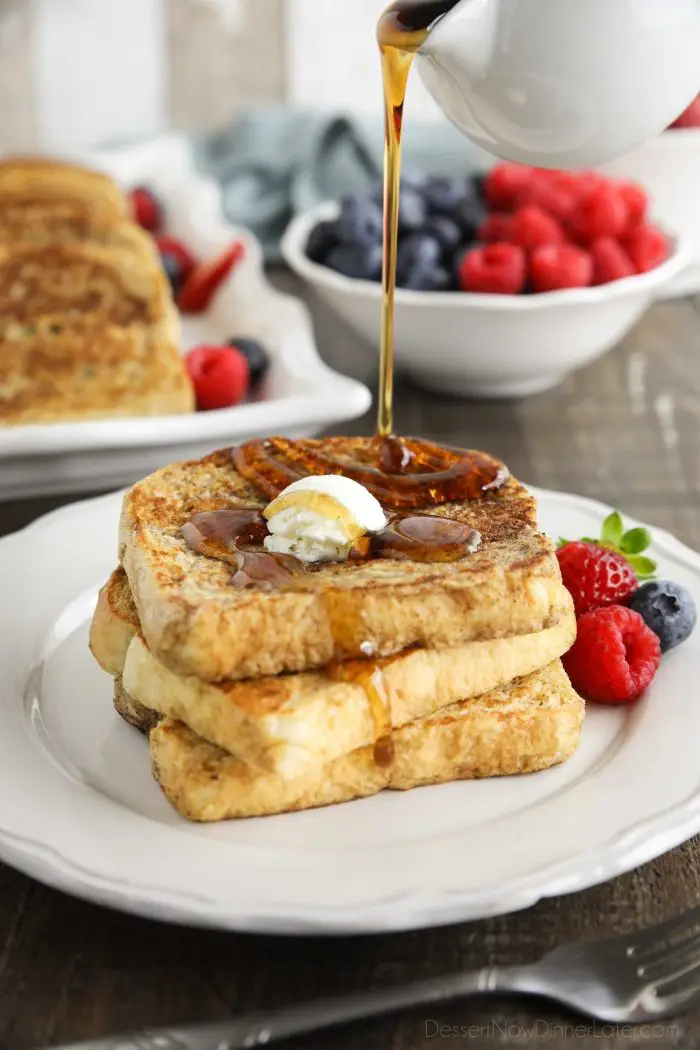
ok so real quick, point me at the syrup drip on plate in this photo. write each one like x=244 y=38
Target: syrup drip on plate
x=409 y=474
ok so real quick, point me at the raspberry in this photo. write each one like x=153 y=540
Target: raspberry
x=495 y=228
x=595 y=576
x=602 y=212
x=504 y=184
x=615 y=655
x=220 y=376
x=637 y=201
x=555 y=192
x=610 y=261
x=146 y=209
x=557 y=266
x=647 y=247
x=494 y=268
x=532 y=228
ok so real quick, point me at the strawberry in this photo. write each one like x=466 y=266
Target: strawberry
x=203 y=281
x=146 y=209
x=605 y=571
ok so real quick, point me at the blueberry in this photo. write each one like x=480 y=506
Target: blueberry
x=437 y=280
x=413 y=210
x=668 y=609
x=446 y=232
x=418 y=257
x=469 y=215
x=173 y=270
x=255 y=354
x=361 y=261
x=360 y=221
x=322 y=239
x=443 y=194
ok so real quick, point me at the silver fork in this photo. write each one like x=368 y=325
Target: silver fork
x=631 y=979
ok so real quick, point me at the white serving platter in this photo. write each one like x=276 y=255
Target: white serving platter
x=299 y=397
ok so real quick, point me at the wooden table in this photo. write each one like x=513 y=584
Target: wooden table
x=627 y=431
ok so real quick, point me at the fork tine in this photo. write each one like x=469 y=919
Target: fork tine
x=673 y=1002
x=674 y=932
x=660 y=967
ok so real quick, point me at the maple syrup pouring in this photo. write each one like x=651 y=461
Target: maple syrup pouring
x=402 y=30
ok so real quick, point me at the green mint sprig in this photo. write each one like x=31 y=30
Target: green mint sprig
x=630 y=543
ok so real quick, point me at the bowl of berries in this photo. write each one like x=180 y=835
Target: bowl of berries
x=669 y=167
x=505 y=282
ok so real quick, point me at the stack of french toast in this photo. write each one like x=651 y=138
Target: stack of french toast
x=266 y=686
x=88 y=327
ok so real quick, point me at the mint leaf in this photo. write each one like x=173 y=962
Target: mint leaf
x=613 y=528
x=645 y=568
x=635 y=541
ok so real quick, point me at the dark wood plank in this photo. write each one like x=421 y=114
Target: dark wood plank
x=625 y=430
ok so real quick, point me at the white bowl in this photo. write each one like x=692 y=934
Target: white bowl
x=486 y=345
x=669 y=168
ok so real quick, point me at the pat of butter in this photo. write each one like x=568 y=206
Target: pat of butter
x=319 y=518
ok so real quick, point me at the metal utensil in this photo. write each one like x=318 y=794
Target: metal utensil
x=630 y=979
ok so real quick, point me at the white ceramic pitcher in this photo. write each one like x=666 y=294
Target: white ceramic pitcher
x=563 y=83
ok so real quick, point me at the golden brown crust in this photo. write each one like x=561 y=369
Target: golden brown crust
x=198 y=624
x=114 y=624
x=42 y=182
x=293 y=721
x=134 y=713
x=530 y=725
x=50 y=372
x=76 y=282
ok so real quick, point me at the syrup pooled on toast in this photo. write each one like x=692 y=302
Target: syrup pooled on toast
x=406 y=473
x=402 y=30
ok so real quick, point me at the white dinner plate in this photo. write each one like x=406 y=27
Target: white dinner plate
x=300 y=395
x=79 y=810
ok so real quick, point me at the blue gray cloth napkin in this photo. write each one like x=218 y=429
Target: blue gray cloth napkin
x=276 y=162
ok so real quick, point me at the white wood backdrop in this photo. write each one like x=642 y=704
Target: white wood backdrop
x=333 y=60
x=101 y=66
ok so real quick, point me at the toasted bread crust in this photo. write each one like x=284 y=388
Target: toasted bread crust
x=134 y=713
x=114 y=624
x=289 y=722
x=198 y=624
x=530 y=725
x=51 y=373
x=28 y=181
x=75 y=282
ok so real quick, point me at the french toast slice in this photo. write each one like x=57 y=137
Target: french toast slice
x=83 y=284
x=53 y=373
x=290 y=721
x=115 y=623
x=34 y=186
x=530 y=725
x=197 y=623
